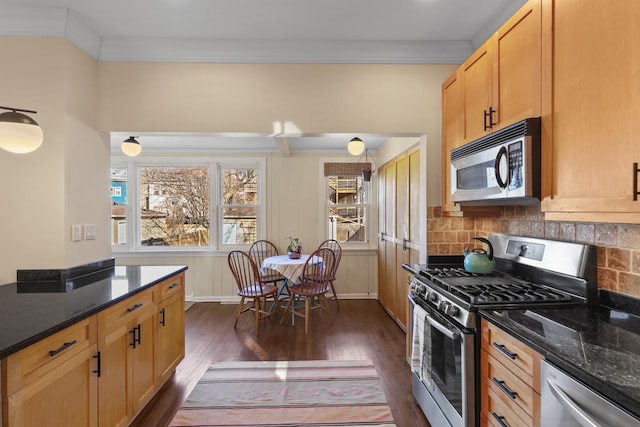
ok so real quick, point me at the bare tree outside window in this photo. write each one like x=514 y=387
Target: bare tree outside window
x=347 y=208
x=174 y=206
x=239 y=205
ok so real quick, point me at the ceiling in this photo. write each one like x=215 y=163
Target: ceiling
x=267 y=31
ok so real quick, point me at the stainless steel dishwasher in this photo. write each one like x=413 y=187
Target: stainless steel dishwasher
x=567 y=403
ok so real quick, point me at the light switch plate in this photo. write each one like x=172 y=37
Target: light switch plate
x=76 y=232
x=89 y=231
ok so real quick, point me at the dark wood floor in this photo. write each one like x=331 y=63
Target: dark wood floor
x=361 y=329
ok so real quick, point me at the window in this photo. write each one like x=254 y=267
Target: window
x=174 y=206
x=347 y=208
x=239 y=205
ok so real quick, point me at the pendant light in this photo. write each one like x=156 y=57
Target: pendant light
x=131 y=147
x=19 y=133
x=355 y=146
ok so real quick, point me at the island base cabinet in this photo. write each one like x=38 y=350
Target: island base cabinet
x=53 y=382
x=126 y=344
x=169 y=327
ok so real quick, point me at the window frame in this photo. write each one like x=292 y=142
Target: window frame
x=213 y=164
x=369 y=242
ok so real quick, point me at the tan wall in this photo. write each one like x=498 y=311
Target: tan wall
x=618 y=244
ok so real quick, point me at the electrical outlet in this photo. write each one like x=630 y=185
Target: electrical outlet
x=89 y=231
x=76 y=232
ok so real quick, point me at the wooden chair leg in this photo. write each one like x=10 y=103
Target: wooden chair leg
x=335 y=295
x=256 y=308
x=239 y=311
x=286 y=309
x=306 y=315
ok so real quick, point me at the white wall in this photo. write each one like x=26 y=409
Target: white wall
x=60 y=181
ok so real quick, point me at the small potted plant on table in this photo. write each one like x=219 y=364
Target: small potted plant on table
x=294 y=249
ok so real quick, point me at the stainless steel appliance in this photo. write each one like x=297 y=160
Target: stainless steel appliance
x=500 y=168
x=446 y=299
x=568 y=403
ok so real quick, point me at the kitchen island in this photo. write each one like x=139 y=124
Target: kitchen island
x=109 y=339
x=598 y=346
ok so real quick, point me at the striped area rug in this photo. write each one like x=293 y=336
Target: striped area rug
x=298 y=393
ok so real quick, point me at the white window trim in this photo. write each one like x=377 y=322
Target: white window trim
x=133 y=165
x=370 y=207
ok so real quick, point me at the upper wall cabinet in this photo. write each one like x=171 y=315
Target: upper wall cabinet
x=591 y=141
x=501 y=81
x=451 y=134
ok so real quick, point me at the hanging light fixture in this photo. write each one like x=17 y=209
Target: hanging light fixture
x=131 y=147
x=19 y=133
x=355 y=146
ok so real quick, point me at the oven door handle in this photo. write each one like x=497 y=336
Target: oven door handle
x=454 y=335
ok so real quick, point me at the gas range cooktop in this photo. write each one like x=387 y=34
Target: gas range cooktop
x=529 y=273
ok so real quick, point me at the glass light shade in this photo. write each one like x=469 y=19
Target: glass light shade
x=131 y=147
x=19 y=133
x=355 y=147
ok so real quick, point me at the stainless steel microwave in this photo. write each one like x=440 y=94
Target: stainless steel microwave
x=502 y=168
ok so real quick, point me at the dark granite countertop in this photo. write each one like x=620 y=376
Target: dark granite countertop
x=31 y=311
x=598 y=346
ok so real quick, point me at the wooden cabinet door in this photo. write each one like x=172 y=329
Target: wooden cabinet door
x=143 y=357
x=170 y=335
x=451 y=134
x=595 y=110
x=113 y=408
x=65 y=396
x=476 y=74
x=517 y=70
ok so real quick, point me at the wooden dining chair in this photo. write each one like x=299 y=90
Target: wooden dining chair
x=337 y=249
x=259 y=250
x=250 y=286
x=315 y=283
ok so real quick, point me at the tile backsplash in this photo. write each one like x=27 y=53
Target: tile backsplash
x=618 y=244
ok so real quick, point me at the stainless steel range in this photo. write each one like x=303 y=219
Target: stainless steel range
x=446 y=298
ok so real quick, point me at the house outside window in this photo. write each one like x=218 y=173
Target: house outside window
x=174 y=206
x=347 y=199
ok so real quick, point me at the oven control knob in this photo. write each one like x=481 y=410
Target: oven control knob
x=451 y=310
x=432 y=297
x=444 y=306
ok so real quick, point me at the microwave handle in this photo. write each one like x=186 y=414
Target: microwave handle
x=503 y=152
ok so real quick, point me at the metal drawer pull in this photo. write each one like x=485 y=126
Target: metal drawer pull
x=134 y=308
x=504 y=388
x=174 y=285
x=499 y=419
x=506 y=352
x=99 y=364
x=62 y=348
x=162 y=317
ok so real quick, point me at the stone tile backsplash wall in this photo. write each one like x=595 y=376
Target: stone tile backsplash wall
x=618 y=244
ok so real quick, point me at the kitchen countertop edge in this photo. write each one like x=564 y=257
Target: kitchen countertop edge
x=57 y=327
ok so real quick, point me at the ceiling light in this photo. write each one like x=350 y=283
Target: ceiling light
x=355 y=146
x=131 y=147
x=19 y=133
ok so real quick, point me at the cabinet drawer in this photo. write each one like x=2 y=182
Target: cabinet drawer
x=507 y=385
x=516 y=356
x=493 y=408
x=33 y=362
x=128 y=309
x=171 y=286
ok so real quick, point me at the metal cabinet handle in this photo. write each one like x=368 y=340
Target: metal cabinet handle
x=506 y=352
x=489 y=124
x=135 y=336
x=99 y=364
x=134 y=308
x=499 y=419
x=174 y=285
x=162 y=317
x=636 y=171
x=62 y=348
x=404 y=244
x=504 y=388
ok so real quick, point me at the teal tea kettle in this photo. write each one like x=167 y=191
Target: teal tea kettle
x=477 y=260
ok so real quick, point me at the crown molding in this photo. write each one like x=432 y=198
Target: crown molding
x=62 y=22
